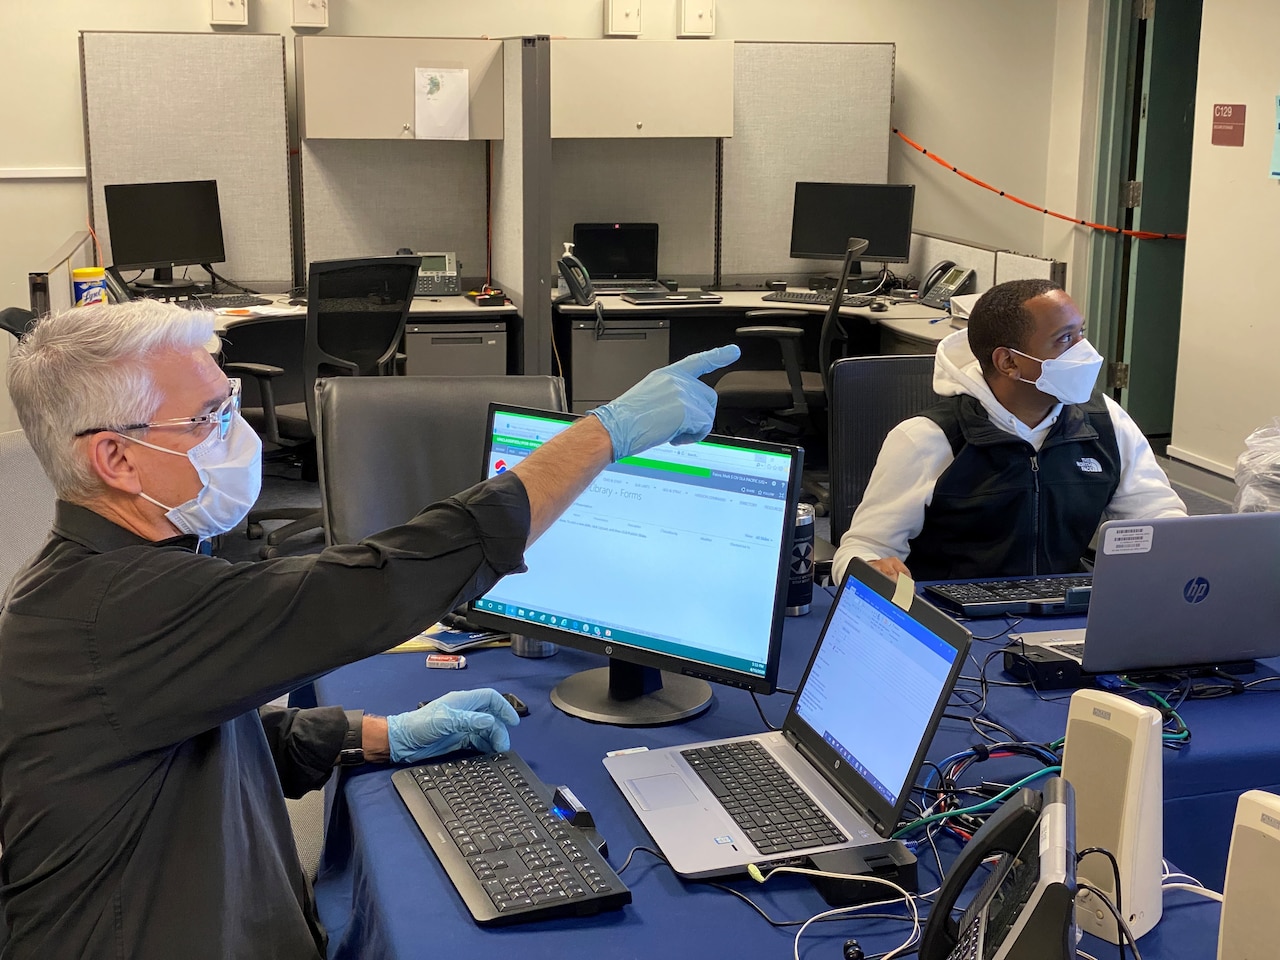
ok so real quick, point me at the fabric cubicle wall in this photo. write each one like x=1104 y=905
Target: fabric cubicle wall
x=802 y=111
x=195 y=106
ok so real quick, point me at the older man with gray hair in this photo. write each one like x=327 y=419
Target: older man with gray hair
x=141 y=791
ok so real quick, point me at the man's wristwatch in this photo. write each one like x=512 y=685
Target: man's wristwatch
x=352 y=752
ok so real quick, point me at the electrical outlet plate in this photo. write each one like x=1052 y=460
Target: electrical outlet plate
x=229 y=13
x=311 y=13
x=697 y=18
x=622 y=18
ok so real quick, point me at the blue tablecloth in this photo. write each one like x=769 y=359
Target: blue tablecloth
x=382 y=893
x=1233 y=748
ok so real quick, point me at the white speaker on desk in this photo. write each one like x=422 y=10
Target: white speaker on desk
x=1250 y=926
x=1112 y=757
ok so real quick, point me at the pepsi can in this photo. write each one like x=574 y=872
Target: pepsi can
x=800 y=588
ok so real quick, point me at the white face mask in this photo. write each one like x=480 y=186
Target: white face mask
x=1070 y=377
x=231 y=471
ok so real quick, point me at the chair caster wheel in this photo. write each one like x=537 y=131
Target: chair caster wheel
x=253 y=531
x=820 y=510
x=266 y=552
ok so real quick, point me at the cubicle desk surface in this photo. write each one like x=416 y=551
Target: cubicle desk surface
x=382 y=894
x=1233 y=748
x=424 y=308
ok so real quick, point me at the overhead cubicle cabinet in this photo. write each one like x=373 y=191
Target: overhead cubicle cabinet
x=641 y=88
x=362 y=88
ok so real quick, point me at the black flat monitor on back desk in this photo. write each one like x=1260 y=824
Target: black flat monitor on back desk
x=673 y=563
x=159 y=226
x=826 y=215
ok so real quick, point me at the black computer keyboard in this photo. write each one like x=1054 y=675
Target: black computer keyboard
x=510 y=855
x=818 y=296
x=1034 y=596
x=223 y=301
x=776 y=815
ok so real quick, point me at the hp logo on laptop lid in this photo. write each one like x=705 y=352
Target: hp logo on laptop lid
x=1197 y=589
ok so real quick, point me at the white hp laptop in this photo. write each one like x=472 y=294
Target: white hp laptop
x=839 y=771
x=1176 y=593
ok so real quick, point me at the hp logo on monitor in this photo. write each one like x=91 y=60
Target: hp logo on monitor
x=1197 y=589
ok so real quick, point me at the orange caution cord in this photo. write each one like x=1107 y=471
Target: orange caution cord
x=1139 y=234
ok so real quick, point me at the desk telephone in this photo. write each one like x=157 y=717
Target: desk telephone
x=437 y=275
x=944 y=281
x=576 y=279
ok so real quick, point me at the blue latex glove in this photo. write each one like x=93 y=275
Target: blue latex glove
x=476 y=719
x=670 y=404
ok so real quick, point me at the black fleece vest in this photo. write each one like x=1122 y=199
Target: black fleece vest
x=1002 y=509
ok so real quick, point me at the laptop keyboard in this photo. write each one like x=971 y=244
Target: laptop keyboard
x=1070 y=649
x=776 y=815
x=628 y=286
x=1022 y=595
x=511 y=857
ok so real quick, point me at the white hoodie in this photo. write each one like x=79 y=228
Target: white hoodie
x=916 y=452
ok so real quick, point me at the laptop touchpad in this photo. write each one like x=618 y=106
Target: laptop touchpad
x=658 y=793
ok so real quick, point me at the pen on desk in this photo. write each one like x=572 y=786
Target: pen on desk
x=945 y=316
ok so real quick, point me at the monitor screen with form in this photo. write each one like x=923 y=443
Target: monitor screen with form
x=677 y=558
x=826 y=215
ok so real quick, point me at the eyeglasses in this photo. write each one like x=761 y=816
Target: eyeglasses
x=221 y=418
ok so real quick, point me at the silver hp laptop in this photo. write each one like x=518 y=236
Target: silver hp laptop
x=619 y=257
x=1176 y=593
x=839 y=771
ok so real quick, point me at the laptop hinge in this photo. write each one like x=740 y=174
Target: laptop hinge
x=859 y=807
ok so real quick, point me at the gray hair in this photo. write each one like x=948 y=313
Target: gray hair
x=87 y=367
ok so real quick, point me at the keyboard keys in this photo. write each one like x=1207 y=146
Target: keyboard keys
x=510 y=857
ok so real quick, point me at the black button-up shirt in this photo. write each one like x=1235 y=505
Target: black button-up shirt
x=141 y=809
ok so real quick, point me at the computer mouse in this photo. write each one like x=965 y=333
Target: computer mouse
x=878 y=306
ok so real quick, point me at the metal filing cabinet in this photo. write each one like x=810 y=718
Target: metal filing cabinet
x=455 y=349
x=612 y=356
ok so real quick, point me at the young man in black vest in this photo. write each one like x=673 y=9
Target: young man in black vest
x=1011 y=473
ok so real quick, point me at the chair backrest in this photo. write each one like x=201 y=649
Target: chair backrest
x=389 y=446
x=26 y=509
x=16 y=320
x=356 y=311
x=869 y=396
x=272 y=340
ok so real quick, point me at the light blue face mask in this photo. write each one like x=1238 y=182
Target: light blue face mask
x=230 y=470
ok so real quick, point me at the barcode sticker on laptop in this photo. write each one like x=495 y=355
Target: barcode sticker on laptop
x=1128 y=539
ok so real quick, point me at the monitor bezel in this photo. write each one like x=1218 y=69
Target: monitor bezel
x=870 y=255
x=647 y=658
x=883 y=814
x=110 y=188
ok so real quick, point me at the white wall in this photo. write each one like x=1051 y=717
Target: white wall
x=1229 y=348
x=998 y=87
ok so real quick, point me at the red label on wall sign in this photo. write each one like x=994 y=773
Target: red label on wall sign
x=1228 y=125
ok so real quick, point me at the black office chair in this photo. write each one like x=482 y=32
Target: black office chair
x=356 y=312
x=869 y=397
x=389 y=447
x=16 y=320
x=789 y=403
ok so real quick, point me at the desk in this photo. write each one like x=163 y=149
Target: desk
x=382 y=894
x=443 y=335
x=637 y=338
x=1233 y=748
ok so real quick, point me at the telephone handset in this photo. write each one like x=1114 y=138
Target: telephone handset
x=944 y=281
x=1024 y=909
x=576 y=279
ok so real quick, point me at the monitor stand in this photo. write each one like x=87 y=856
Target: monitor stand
x=162 y=284
x=629 y=695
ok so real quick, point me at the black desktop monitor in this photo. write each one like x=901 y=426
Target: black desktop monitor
x=674 y=564
x=617 y=251
x=826 y=215
x=163 y=225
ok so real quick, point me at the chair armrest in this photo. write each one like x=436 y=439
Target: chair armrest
x=255 y=370
x=264 y=373
x=775 y=333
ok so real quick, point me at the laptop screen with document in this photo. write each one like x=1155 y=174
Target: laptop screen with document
x=875 y=690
